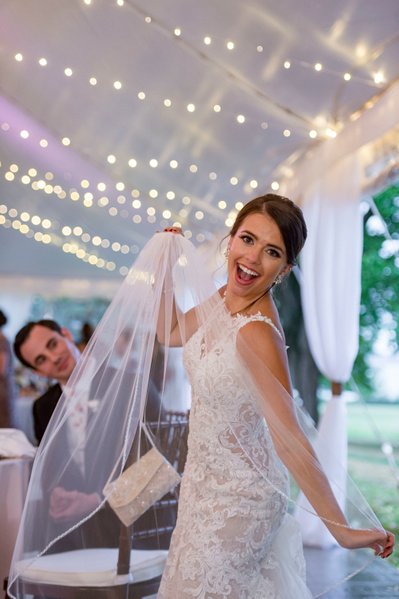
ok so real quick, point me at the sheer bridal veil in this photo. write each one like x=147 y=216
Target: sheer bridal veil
x=122 y=381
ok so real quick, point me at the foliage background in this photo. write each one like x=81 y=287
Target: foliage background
x=380 y=287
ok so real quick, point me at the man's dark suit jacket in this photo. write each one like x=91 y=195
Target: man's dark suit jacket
x=43 y=409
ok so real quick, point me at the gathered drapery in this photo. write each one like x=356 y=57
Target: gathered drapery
x=331 y=287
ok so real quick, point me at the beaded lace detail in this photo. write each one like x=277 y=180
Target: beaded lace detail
x=233 y=538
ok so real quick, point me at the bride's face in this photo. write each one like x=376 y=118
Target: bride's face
x=257 y=256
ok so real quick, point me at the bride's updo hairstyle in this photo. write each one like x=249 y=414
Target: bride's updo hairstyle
x=287 y=216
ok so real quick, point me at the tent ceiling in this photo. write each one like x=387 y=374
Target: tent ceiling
x=217 y=159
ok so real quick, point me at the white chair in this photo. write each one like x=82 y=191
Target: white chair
x=93 y=574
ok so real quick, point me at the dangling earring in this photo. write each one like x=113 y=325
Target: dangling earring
x=227 y=252
x=278 y=279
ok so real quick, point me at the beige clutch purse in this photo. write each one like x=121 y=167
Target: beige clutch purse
x=140 y=486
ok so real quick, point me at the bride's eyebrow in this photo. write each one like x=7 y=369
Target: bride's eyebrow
x=270 y=245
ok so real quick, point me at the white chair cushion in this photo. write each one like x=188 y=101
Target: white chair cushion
x=92 y=567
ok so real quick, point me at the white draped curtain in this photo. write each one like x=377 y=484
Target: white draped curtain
x=331 y=287
x=328 y=180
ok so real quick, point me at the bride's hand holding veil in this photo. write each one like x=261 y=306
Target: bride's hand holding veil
x=175 y=230
x=381 y=541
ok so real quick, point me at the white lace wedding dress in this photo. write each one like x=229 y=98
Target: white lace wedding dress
x=233 y=538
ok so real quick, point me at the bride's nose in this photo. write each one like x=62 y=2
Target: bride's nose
x=253 y=254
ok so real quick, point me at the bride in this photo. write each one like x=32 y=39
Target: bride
x=235 y=537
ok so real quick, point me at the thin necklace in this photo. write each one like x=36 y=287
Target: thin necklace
x=244 y=310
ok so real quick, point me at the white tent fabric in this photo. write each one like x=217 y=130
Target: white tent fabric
x=135 y=114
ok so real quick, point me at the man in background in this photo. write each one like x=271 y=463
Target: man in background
x=49 y=350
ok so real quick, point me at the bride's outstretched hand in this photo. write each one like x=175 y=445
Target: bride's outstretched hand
x=381 y=541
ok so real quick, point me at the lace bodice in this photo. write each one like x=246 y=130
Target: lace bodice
x=224 y=419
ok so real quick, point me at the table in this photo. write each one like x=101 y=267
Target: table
x=14 y=479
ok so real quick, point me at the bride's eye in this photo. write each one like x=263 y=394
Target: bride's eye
x=273 y=253
x=246 y=239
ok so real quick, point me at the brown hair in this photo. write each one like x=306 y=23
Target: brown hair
x=287 y=215
x=24 y=333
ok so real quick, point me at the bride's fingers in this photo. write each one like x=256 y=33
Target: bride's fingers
x=384 y=549
x=388 y=549
x=174 y=230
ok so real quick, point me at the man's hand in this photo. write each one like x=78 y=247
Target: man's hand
x=65 y=505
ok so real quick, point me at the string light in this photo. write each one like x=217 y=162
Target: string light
x=379 y=78
x=330 y=132
x=72 y=248
x=313 y=133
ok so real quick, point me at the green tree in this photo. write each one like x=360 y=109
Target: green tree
x=380 y=284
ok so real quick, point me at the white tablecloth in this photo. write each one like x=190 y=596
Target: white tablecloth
x=14 y=478
x=24 y=416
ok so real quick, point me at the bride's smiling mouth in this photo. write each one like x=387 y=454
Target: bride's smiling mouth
x=245 y=275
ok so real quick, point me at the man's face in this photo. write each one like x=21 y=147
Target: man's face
x=51 y=354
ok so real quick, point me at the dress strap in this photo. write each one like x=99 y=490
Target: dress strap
x=243 y=319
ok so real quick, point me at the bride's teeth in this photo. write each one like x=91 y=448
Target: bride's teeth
x=249 y=272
